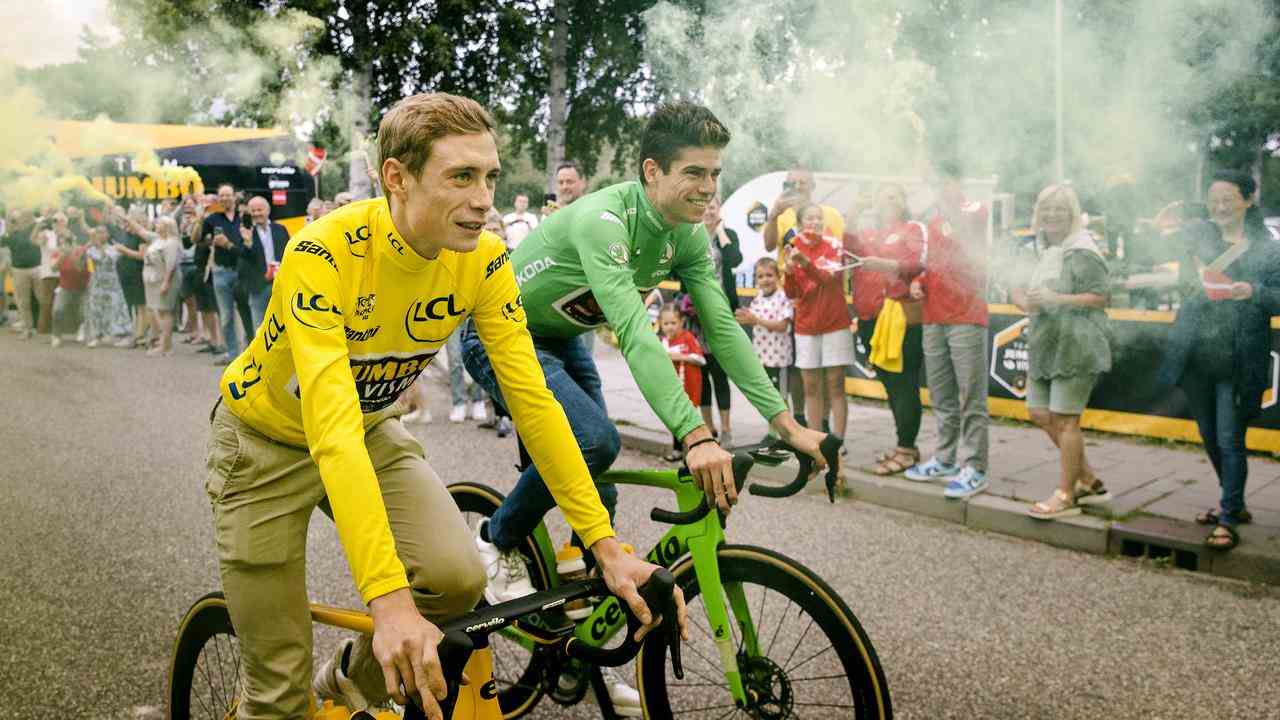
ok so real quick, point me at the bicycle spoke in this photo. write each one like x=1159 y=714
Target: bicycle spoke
x=769 y=651
x=731 y=712
x=222 y=678
x=764 y=595
x=827 y=705
x=208 y=682
x=787 y=663
x=837 y=676
x=811 y=657
x=704 y=677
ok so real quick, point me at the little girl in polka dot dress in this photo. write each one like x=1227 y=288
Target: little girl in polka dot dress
x=769 y=316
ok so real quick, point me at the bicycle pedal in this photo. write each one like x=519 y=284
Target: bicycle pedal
x=570 y=686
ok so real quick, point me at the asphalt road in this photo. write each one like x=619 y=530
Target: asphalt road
x=107 y=539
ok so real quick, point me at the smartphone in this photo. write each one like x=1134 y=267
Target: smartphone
x=245 y=221
x=548 y=198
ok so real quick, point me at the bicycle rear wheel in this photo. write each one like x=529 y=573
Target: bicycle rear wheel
x=204 y=679
x=812 y=658
x=517 y=671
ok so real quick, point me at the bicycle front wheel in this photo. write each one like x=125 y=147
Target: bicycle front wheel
x=204 y=680
x=800 y=650
x=517 y=671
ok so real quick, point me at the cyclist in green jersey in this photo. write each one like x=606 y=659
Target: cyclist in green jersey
x=589 y=265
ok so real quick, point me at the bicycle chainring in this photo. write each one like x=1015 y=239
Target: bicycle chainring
x=769 y=693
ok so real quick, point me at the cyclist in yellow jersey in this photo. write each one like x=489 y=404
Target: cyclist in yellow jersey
x=364 y=299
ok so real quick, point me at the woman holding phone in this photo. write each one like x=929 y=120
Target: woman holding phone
x=1220 y=347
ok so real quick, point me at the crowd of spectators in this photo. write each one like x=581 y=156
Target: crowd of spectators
x=917 y=291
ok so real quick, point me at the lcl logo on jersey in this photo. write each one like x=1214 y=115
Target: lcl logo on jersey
x=315 y=311
x=359 y=241
x=422 y=319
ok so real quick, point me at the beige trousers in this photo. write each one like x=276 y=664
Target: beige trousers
x=263 y=493
x=23 y=287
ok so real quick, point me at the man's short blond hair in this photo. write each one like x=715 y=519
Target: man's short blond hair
x=413 y=124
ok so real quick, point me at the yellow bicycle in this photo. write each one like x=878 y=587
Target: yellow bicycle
x=204 y=678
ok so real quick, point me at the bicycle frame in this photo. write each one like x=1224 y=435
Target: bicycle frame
x=700 y=539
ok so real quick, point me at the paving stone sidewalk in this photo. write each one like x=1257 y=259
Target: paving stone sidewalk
x=1157 y=487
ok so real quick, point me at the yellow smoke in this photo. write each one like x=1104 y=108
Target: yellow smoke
x=33 y=173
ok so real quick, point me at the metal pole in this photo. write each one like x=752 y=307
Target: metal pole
x=1058 y=142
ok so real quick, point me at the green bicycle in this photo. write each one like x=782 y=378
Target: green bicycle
x=772 y=640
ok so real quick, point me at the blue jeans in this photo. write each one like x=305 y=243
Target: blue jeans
x=225 y=285
x=1222 y=427
x=258 y=309
x=574 y=381
x=457 y=379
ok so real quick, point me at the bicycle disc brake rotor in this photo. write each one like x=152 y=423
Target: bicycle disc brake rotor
x=769 y=693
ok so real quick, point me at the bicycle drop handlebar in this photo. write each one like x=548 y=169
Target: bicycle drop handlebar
x=461 y=634
x=773 y=454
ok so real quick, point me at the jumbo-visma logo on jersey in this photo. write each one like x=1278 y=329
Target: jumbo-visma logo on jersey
x=381 y=378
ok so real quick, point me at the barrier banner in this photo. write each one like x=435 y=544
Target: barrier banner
x=1129 y=399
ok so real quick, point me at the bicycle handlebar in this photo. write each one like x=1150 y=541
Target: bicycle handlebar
x=460 y=634
x=830 y=448
x=658 y=595
x=744 y=458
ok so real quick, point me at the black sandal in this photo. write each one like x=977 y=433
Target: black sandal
x=1218 y=541
x=1210 y=517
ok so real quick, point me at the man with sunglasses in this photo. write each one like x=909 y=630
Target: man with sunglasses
x=781 y=226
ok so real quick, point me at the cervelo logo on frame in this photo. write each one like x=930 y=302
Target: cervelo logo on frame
x=315 y=311
x=422 y=319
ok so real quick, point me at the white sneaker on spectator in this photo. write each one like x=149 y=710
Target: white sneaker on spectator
x=625 y=699
x=478 y=411
x=508 y=579
x=92 y=343
x=55 y=341
x=126 y=342
x=458 y=413
x=80 y=334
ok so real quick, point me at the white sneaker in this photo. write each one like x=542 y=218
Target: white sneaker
x=331 y=683
x=458 y=413
x=625 y=699
x=56 y=341
x=123 y=343
x=92 y=343
x=421 y=416
x=508 y=579
x=478 y=411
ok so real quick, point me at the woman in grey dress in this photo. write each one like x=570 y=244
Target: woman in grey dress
x=106 y=314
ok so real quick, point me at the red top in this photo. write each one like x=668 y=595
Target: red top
x=686 y=343
x=904 y=243
x=73 y=271
x=955 y=279
x=817 y=287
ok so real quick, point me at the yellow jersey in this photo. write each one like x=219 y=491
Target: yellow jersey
x=355 y=316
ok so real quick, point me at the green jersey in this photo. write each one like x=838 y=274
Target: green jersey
x=590 y=263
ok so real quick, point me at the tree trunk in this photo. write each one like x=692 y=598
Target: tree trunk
x=358 y=182
x=557 y=97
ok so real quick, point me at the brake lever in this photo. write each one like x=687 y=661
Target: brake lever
x=659 y=595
